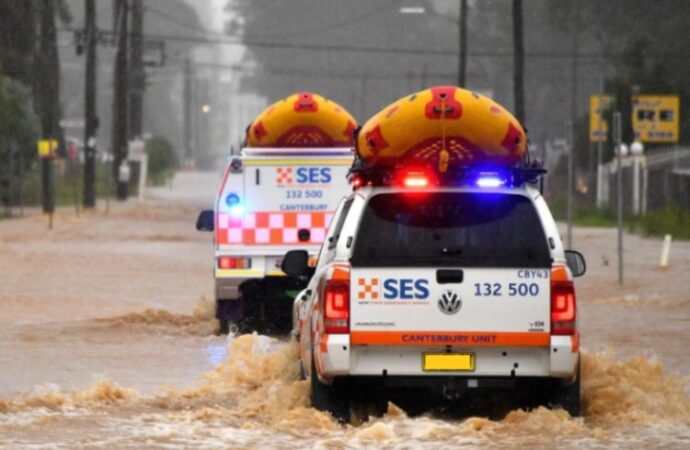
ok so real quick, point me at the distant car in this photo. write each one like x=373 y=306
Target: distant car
x=451 y=291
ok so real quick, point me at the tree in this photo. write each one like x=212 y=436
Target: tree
x=19 y=126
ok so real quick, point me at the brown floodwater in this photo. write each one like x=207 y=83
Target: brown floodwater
x=107 y=341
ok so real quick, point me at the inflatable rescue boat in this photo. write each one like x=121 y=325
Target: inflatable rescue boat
x=304 y=119
x=442 y=127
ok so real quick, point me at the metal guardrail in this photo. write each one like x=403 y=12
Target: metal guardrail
x=667 y=155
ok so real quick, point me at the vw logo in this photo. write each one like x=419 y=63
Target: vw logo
x=450 y=302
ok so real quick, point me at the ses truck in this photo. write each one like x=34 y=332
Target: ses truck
x=278 y=194
x=444 y=280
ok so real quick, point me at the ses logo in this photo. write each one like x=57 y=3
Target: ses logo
x=392 y=289
x=289 y=176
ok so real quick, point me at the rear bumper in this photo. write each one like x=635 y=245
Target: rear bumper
x=558 y=360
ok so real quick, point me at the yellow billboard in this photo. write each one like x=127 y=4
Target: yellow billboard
x=656 y=118
x=598 y=126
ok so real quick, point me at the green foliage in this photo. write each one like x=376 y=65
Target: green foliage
x=162 y=158
x=669 y=220
x=19 y=126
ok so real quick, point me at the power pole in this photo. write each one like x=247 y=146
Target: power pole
x=462 y=36
x=120 y=100
x=569 y=192
x=136 y=71
x=187 y=111
x=518 y=61
x=90 y=119
x=573 y=117
x=618 y=139
x=47 y=96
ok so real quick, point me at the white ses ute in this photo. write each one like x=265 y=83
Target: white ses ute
x=433 y=292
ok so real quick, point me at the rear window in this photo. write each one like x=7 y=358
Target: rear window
x=450 y=229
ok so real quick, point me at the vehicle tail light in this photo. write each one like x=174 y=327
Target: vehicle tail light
x=336 y=304
x=228 y=262
x=563 y=308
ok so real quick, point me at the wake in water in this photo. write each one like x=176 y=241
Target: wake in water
x=201 y=322
x=255 y=399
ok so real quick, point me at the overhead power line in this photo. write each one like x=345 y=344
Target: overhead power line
x=380 y=50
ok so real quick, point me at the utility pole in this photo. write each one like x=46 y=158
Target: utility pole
x=462 y=44
x=573 y=117
x=569 y=192
x=120 y=97
x=47 y=98
x=187 y=94
x=518 y=62
x=90 y=119
x=618 y=139
x=136 y=71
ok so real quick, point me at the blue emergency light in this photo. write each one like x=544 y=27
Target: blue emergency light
x=490 y=181
x=232 y=199
x=236 y=207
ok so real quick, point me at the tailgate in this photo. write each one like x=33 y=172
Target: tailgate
x=287 y=201
x=458 y=307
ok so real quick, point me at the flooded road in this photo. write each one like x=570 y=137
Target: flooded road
x=106 y=341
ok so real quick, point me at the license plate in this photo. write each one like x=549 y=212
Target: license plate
x=448 y=362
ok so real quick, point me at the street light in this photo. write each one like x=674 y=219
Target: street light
x=206 y=108
x=412 y=10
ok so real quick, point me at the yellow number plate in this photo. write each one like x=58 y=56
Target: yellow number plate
x=448 y=362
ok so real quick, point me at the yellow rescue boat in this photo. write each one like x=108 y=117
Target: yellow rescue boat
x=302 y=120
x=442 y=126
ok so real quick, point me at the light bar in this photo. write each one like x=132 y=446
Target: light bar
x=490 y=181
x=416 y=181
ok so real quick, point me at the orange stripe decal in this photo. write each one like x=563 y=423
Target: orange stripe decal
x=324 y=343
x=443 y=338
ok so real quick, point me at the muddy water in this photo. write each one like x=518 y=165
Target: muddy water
x=253 y=399
x=106 y=341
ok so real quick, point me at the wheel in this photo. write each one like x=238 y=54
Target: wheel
x=334 y=399
x=567 y=396
x=229 y=313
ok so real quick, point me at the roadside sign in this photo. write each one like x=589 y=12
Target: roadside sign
x=656 y=118
x=598 y=126
x=46 y=147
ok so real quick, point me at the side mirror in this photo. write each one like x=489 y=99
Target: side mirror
x=576 y=262
x=205 y=221
x=296 y=263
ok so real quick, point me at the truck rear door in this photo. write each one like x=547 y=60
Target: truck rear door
x=450 y=268
x=288 y=198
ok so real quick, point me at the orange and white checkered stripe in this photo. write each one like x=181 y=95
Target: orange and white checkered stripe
x=272 y=228
x=368 y=289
